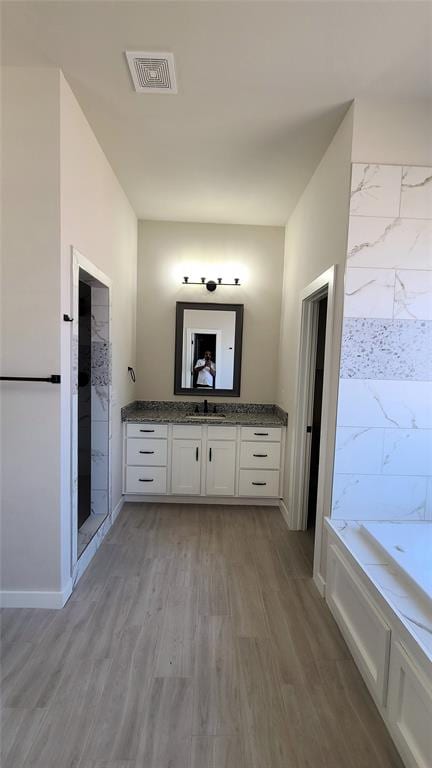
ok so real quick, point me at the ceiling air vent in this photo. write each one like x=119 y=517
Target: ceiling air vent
x=152 y=72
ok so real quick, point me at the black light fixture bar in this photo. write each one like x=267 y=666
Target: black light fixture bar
x=211 y=285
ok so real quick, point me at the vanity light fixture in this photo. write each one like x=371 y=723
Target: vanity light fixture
x=211 y=285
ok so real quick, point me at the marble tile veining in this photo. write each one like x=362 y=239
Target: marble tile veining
x=369 y=292
x=416 y=197
x=413 y=295
x=379 y=497
x=359 y=449
x=389 y=243
x=373 y=348
x=407 y=452
x=384 y=403
x=375 y=190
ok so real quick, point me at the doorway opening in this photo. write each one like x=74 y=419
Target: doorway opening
x=316 y=409
x=202 y=344
x=311 y=469
x=91 y=403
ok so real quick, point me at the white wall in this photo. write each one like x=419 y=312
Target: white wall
x=97 y=219
x=30 y=314
x=167 y=252
x=315 y=239
x=392 y=132
x=58 y=191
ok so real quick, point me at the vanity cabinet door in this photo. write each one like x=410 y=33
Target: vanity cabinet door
x=186 y=467
x=221 y=455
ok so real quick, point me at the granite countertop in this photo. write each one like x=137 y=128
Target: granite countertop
x=166 y=412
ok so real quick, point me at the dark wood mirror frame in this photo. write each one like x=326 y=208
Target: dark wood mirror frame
x=238 y=340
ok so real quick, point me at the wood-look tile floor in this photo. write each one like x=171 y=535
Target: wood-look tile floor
x=196 y=639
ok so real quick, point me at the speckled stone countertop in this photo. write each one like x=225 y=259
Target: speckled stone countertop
x=166 y=412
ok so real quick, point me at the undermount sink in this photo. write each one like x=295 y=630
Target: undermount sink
x=205 y=416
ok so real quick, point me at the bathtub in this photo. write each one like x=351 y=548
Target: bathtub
x=409 y=545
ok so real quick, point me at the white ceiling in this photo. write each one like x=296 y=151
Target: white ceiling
x=262 y=87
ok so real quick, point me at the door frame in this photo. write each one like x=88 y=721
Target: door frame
x=191 y=332
x=81 y=262
x=309 y=298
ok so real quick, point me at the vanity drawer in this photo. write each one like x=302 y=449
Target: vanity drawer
x=147 y=430
x=186 y=432
x=221 y=433
x=262 y=434
x=259 y=482
x=146 y=480
x=147 y=452
x=260 y=455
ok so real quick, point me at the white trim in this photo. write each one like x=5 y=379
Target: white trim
x=323 y=284
x=81 y=262
x=117 y=509
x=319 y=583
x=285 y=513
x=35 y=599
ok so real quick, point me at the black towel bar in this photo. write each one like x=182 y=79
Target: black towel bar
x=55 y=378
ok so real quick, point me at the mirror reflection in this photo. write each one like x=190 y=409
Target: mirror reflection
x=208 y=348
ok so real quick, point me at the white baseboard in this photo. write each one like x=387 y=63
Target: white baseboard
x=224 y=500
x=285 y=512
x=117 y=509
x=35 y=599
x=319 y=583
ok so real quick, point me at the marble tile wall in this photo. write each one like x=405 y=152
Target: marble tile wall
x=100 y=380
x=383 y=460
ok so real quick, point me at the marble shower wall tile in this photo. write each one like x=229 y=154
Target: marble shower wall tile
x=99 y=502
x=375 y=190
x=413 y=295
x=379 y=497
x=359 y=447
x=384 y=349
x=389 y=243
x=99 y=471
x=369 y=292
x=381 y=403
x=100 y=323
x=407 y=452
x=101 y=363
x=100 y=296
x=416 y=197
x=100 y=403
x=383 y=461
x=99 y=437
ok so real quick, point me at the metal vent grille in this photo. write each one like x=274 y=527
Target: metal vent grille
x=152 y=72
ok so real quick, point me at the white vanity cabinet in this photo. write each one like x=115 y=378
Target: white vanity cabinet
x=190 y=460
x=221 y=465
x=186 y=467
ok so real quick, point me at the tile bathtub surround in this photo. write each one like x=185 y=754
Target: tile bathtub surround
x=386 y=349
x=383 y=460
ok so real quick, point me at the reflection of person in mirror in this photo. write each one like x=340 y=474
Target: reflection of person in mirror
x=206 y=371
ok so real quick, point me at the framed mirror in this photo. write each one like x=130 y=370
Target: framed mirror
x=208 y=349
